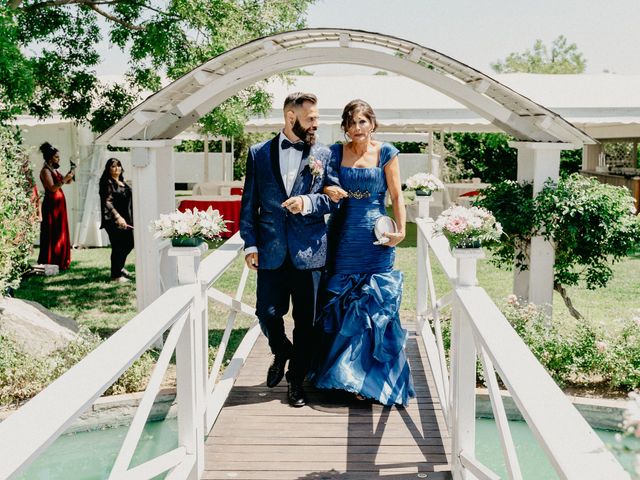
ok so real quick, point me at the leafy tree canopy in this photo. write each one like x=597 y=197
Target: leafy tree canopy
x=561 y=57
x=48 y=52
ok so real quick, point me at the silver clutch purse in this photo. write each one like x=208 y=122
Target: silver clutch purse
x=384 y=224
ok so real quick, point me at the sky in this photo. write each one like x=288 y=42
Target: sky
x=478 y=32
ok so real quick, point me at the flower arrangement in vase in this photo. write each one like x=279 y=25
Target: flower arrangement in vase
x=424 y=184
x=468 y=227
x=190 y=228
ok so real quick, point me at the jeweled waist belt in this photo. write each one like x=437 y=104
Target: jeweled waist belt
x=360 y=194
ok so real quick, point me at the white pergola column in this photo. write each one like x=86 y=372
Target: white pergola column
x=149 y=160
x=537 y=163
x=165 y=185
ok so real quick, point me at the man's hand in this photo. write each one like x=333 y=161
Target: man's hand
x=251 y=260
x=293 y=204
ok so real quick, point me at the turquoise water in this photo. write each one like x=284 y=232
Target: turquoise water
x=90 y=455
x=533 y=462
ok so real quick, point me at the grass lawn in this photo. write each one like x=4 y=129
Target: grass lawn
x=619 y=300
x=84 y=293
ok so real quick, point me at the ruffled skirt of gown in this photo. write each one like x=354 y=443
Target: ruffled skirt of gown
x=366 y=355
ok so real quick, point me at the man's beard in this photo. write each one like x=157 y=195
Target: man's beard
x=307 y=136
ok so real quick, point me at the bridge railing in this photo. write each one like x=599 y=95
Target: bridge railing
x=180 y=316
x=480 y=331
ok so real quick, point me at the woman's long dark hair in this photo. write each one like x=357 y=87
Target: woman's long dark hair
x=106 y=174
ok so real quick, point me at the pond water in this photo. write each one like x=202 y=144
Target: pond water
x=90 y=455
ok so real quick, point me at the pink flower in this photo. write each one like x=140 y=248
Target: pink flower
x=316 y=167
x=601 y=346
x=457 y=225
x=512 y=299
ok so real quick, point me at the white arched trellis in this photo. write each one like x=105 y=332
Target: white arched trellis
x=150 y=127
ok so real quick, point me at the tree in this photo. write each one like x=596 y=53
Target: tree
x=590 y=225
x=48 y=52
x=489 y=156
x=562 y=58
x=18 y=214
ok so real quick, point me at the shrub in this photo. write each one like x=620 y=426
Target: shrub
x=18 y=214
x=581 y=355
x=23 y=375
x=590 y=225
x=623 y=357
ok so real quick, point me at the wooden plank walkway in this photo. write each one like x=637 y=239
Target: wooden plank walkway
x=259 y=436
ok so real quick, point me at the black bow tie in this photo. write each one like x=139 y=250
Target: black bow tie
x=287 y=144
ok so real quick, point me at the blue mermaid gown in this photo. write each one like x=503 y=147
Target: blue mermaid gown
x=361 y=313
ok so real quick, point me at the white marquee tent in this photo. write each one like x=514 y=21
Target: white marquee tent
x=605 y=106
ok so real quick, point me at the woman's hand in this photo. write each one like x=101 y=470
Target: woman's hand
x=120 y=222
x=335 y=193
x=68 y=178
x=394 y=238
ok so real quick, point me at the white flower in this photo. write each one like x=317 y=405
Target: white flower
x=462 y=224
x=316 y=167
x=424 y=181
x=197 y=223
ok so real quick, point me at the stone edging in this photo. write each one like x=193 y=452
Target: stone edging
x=602 y=413
x=117 y=410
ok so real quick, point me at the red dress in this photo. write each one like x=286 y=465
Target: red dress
x=55 y=246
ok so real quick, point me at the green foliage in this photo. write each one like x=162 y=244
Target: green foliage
x=579 y=355
x=573 y=356
x=590 y=224
x=489 y=156
x=18 y=214
x=23 y=375
x=562 y=57
x=17 y=84
x=48 y=53
x=241 y=149
x=623 y=357
x=484 y=155
x=513 y=206
x=410 y=147
x=570 y=162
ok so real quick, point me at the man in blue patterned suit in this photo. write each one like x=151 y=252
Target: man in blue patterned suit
x=285 y=238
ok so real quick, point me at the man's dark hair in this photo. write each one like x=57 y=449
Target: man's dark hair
x=297 y=99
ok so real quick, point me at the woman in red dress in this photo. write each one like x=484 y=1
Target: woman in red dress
x=55 y=245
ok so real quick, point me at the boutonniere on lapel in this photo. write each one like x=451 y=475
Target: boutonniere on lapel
x=315 y=167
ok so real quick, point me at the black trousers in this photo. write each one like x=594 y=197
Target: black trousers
x=121 y=245
x=275 y=289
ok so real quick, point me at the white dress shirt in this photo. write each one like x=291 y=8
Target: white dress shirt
x=290 y=159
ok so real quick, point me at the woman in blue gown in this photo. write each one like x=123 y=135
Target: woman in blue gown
x=366 y=352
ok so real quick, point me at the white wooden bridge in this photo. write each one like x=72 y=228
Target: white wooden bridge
x=232 y=426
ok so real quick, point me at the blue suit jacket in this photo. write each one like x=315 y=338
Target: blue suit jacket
x=265 y=224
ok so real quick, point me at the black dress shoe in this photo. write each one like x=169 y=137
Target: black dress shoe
x=276 y=370
x=295 y=395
